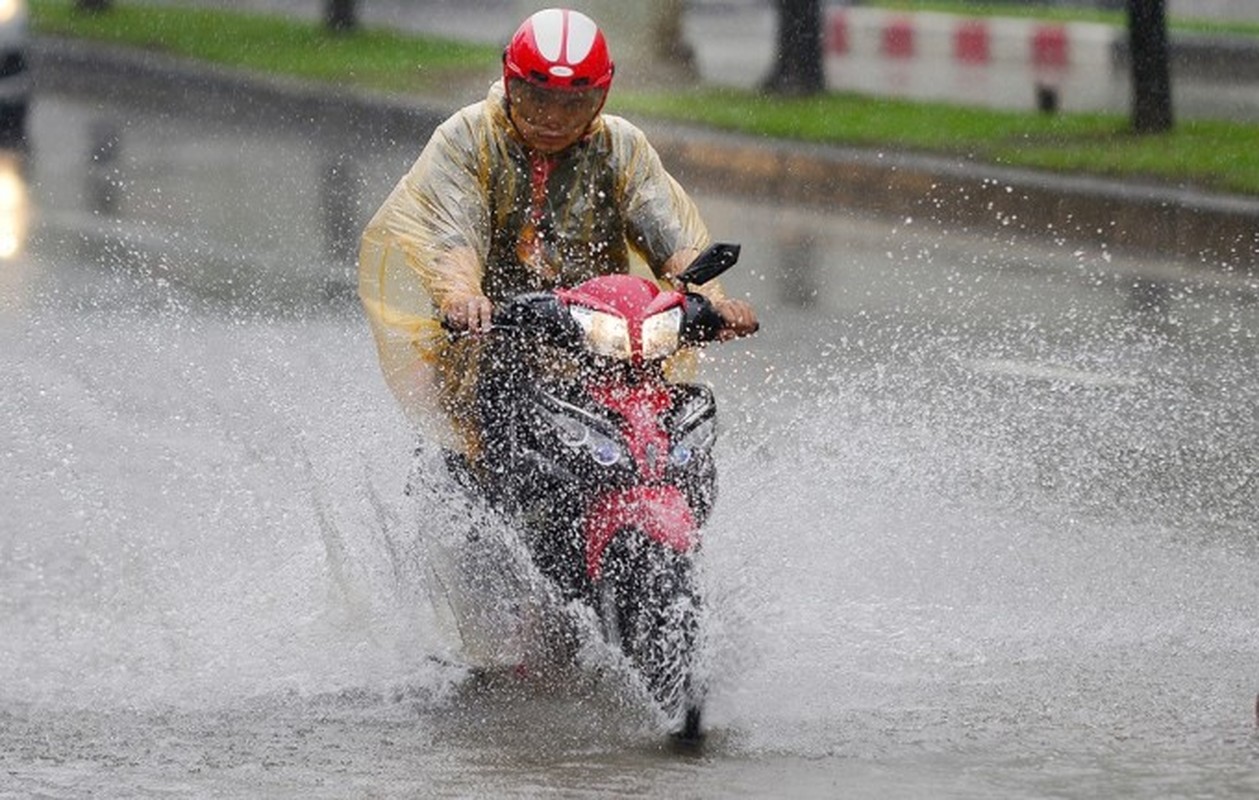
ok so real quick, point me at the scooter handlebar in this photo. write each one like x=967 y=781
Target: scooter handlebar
x=536 y=311
x=531 y=311
x=700 y=321
x=542 y=312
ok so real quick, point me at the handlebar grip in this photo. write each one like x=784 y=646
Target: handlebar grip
x=525 y=310
x=700 y=320
x=521 y=311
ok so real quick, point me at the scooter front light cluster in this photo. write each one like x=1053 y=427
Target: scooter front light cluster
x=700 y=438
x=606 y=334
x=605 y=453
x=661 y=332
x=681 y=455
x=575 y=434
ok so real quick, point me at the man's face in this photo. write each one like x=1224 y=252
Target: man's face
x=551 y=120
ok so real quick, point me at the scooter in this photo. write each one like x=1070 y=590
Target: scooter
x=605 y=466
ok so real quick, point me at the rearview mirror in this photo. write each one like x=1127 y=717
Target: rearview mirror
x=709 y=264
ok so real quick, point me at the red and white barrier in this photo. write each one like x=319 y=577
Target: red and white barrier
x=988 y=61
x=872 y=32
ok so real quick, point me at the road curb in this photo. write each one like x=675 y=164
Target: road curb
x=1218 y=231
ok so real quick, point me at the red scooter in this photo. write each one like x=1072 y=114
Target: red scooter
x=603 y=465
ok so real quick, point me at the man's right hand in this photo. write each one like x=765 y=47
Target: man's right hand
x=468 y=312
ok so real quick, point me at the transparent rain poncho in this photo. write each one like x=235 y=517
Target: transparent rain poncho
x=480 y=213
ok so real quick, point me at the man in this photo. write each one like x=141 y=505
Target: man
x=530 y=189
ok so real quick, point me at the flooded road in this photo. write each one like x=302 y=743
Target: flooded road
x=987 y=520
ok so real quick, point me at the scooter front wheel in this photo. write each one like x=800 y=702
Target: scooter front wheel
x=650 y=609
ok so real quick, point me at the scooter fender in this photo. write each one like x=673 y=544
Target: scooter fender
x=659 y=511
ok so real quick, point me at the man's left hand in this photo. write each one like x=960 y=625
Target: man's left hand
x=738 y=319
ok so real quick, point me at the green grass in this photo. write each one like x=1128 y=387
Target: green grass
x=1216 y=155
x=1022 y=10
x=1213 y=154
x=377 y=59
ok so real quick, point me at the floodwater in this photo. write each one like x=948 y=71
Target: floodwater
x=987 y=520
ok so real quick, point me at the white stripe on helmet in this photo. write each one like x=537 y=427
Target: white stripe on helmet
x=581 y=37
x=549 y=34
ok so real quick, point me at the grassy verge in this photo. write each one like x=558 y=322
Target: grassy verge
x=375 y=59
x=1215 y=155
x=1023 y=10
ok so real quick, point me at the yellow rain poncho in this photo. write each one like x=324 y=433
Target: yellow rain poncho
x=481 y=213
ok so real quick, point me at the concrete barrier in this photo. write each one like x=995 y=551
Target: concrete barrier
x=1000 y=62
x=971 y=40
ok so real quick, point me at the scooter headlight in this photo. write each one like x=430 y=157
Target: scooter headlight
x=660 y=333
x=575 y=434
x=697 y=440
x=606 y=334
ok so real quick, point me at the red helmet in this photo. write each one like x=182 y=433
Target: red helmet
x=561 y=49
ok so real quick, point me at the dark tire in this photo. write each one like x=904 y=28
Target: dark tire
x=650 y=610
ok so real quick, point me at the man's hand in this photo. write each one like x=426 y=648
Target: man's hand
x=738 y=318
x=468 y=312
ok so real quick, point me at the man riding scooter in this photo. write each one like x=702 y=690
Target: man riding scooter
x=532 y=188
